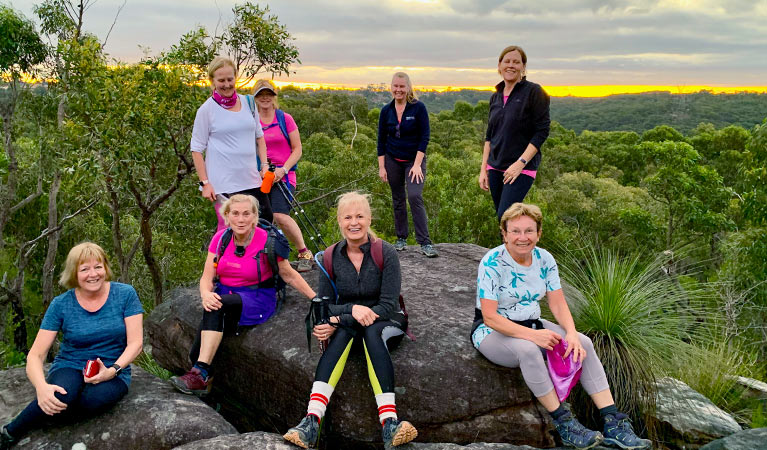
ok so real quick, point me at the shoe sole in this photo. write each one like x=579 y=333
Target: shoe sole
x=433 y=255
x=185 y=390
x=293 y=438
x=614 y=443
x=600 y=439
x=406 y=433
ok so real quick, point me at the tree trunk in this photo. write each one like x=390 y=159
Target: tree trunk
x=53 y=240
x=19 y=319
x=151 y=262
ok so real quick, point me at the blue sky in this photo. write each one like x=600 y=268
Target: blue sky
x=456 y=42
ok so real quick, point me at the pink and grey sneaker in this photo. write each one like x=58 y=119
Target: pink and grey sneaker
x=192 y=383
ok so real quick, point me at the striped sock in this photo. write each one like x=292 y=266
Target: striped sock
x=318 y=401
x=386 y=407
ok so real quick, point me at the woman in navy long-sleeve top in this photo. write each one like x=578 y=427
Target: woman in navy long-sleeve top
x=517 y=127
x=403 y=134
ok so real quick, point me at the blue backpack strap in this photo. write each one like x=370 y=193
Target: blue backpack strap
x=253 y=110
x=326 y=266
x=284 y=128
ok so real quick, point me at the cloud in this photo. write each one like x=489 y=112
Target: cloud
x=591 y=41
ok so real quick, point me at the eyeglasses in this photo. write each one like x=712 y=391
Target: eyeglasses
x=239 y=251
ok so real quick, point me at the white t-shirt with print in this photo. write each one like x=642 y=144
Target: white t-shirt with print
x=518 y=289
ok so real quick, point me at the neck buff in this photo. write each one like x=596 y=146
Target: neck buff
x=225 y=102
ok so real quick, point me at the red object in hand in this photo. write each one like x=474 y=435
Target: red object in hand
x=91 y=368
x=266 y=185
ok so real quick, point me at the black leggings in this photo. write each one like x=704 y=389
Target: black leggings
x=225 y=318
x=505 y=195
x=377 y=339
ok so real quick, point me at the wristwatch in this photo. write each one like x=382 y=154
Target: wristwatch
x=203 y=182
x=524 y=161
x=117 y=368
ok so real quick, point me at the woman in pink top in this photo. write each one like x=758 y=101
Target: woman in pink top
x=284 y=152
x=236 y=287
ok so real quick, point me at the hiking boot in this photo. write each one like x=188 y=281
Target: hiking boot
x=400 y=245
x=192 y=383
x=305 y=434
x=6 y=440
x=429 y=251
x=304 y=261
x=397 y=433
x=574 y=434
x=619 y=433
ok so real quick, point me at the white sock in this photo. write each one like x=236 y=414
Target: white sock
x=386 y=407
x=318 y=401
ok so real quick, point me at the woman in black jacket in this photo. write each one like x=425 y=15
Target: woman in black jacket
x=367 y=310
x=517 y=127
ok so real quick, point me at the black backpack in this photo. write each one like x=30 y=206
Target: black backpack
x=276 y=245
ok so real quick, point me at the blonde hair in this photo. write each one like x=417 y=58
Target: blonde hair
x=80 y=253
x=354 y=198
x=217 y=63
x=237 y=198
x=267 y=83
x=411 y=96
x=518 y=210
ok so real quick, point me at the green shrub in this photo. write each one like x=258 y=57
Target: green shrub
x=639 y=319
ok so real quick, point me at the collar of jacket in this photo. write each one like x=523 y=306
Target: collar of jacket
x=499 y=87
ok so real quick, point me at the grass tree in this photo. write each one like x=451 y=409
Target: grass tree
x=640 y=320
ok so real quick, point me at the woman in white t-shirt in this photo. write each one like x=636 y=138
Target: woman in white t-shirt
x=232 y=140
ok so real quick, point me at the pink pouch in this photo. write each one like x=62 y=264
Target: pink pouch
x=564 y=373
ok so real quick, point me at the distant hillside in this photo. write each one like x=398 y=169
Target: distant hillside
x=630 y=112
x=640 y=112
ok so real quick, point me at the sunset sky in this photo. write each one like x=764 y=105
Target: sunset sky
x=671 y=43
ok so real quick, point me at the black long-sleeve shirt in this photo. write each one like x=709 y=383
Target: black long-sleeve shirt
x=523 y=120
x=403 y=140
x=378 y=290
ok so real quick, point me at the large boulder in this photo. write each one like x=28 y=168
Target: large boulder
x=443 y=385
x=151 y=416
x=273 y=441
x=753 y=439
x=689 y=419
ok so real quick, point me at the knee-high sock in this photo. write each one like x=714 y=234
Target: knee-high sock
x=386 y=407
x=318 y=401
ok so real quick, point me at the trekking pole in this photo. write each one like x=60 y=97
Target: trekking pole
x=302 y=217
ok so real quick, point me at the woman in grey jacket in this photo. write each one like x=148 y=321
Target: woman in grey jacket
x=367 y=310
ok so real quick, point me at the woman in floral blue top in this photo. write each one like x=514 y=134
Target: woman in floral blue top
x=508 y=330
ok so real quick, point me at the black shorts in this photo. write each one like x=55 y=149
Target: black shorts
x=279 y=203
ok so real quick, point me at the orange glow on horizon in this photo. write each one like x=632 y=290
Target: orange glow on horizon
x=596 y=91
x=557 y=91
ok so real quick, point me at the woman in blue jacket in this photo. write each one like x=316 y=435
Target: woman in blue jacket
x=403 y=134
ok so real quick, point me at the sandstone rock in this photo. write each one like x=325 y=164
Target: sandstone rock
x=273 y=441
x=443 y=385
x=753 y=439
x=688 y=418
x=752 y=388
x=151 y=416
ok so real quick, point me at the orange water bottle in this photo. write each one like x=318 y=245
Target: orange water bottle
x=266 y=185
